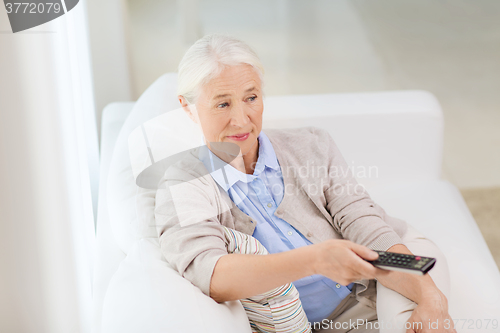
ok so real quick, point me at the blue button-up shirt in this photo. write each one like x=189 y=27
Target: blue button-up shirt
x=258 y=196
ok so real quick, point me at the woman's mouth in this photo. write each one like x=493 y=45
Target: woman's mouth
x=240 y=137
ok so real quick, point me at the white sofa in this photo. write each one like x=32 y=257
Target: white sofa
x=398 y=134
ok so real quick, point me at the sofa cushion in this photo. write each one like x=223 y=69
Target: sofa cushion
x=147 y=295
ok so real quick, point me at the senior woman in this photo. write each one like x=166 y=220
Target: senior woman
x=318 y=227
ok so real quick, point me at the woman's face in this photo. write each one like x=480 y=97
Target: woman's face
x=229 y=108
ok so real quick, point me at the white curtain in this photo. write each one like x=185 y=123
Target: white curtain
x=49 y=164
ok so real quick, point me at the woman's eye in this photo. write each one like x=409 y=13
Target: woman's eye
x=252 y=98
x=222 y=105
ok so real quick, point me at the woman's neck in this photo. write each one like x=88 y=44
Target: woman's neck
x=246 y=163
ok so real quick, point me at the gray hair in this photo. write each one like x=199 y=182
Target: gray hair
x=207 y=58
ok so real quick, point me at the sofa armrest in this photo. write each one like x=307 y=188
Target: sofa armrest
x=109 y=255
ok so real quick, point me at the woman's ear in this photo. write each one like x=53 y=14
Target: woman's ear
x=190 y=109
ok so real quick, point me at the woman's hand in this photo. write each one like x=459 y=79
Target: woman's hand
x=431 y=315
x=342 y=261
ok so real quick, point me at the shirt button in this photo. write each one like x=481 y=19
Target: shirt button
x=290 y=233
x=269 y=205
x=337 y=286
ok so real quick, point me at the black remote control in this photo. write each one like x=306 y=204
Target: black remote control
x=403 y=262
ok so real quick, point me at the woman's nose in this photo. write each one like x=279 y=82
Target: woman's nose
x=239 y=117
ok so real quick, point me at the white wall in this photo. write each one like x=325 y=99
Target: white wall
x=109 y=48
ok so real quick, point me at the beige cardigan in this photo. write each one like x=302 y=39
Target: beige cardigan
x=321 y=201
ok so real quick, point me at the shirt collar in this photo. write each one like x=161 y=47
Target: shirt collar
x=231 y=175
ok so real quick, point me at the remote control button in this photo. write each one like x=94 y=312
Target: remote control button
x=417 y=258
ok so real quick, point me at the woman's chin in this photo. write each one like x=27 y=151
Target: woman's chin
x=249 y=145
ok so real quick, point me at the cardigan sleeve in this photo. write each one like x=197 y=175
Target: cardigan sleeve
x=190 y=234
x=355 y=215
